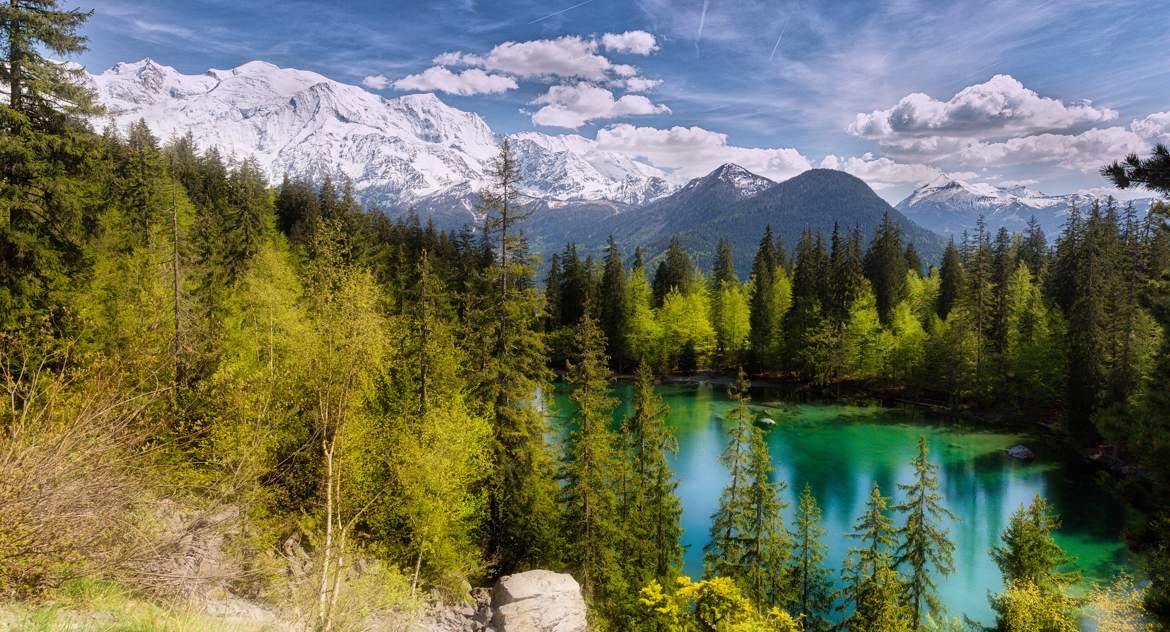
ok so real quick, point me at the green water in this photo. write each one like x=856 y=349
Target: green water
x=839 y=451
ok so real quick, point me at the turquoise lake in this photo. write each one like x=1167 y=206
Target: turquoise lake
x=841 y=450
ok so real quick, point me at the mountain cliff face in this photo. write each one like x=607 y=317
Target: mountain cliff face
x=409 y=152
x=949 y=206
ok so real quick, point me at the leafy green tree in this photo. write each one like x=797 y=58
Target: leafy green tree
x=812 y=586
x=644 y=336
x=688 y=338
x=880 y=605
x=1024 y=607
x=711 y=605
x=731 y=317
x=924 y=545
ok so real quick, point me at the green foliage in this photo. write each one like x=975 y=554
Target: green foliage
x=650 y=508
x=1028 y=552
x=711 y=605
x=591 y=521
x=924 y=545
x=812 y=586
x=724 y=551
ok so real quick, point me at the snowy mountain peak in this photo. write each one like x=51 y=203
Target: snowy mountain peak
x=414 y=151
x=741 y=182
x=951 y=205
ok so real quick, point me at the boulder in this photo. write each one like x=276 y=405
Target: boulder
x=1020 y=452
x=538 y=601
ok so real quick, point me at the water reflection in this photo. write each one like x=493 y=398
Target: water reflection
x=839 y=451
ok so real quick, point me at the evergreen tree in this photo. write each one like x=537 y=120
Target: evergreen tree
x=885 y=266
x=1028 y=553
x=874 y=530
x=574 y=288
x=913 y=260
x=767 y=548
x=676 y=272
x=650 y=505
x=724 y=269
x=812 y=586
x=590 y=506
x=765 y=319
x=501 y=335
x=42 y=90
x=1034 y=248
x=924 y=545
x=950 y=281
x=723 y=554
x=553 y=284
x=613 y=313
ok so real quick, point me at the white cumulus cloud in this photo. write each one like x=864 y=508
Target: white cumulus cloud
x=468 y=82
x=568 y=56
x=689 y=152
x=572 y=106
x=634 y=42
x=377 y=82
x=881 y=173
x=1002 y=105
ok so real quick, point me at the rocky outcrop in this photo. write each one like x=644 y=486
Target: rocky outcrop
x=538 y=601
x=1021 y=452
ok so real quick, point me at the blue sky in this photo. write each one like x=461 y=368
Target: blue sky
x=1000 y=91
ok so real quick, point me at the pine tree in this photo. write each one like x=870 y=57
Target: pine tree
x=1028 y=552
x=951 y=280
x=767 y=548
x=765 y=321
x=885 y=266
x=923 y=543
x=1034 y=248
x=613 y=313
x=591 y=528
x=553 y=283
x=723 y=553
x=651 y=509
x=874 y=530
x=41 y=89
x=1029 y=559
x=501 y=334
x=676 y=272
x=812 y=585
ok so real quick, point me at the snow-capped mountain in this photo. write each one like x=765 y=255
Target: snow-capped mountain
x=949 y=206
x=413 y=151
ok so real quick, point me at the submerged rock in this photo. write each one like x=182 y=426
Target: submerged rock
x=538 y=601
x=1020 y=452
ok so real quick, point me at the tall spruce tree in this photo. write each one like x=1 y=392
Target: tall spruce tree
x=767 y=547
x=924 y=546
x=724 y=552
x=812 y=585
x=885 y=266
x=950 y=280
x=650 y=507
x=613 y=313
x=591 y=521
x=501 y=332
x=874 y=532
x=675 y=272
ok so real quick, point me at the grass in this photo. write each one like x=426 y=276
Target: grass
x=96 y=606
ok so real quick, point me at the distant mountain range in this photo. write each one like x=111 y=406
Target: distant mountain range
x=733 y=203
x=417 y=154
x=949 y=206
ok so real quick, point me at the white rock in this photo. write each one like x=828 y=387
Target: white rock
x=538 y=601
x=1021 y=452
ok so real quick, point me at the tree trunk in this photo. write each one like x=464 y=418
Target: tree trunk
x=327 y=556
